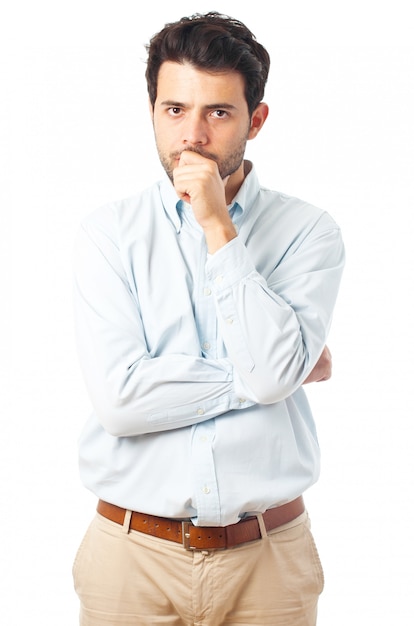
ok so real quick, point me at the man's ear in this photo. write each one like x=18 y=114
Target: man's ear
x=258 y=119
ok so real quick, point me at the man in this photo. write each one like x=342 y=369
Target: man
x=202 y=306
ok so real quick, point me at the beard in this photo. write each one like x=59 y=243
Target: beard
x=227 y=164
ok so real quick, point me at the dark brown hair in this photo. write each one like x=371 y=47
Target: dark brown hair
x=212 y=42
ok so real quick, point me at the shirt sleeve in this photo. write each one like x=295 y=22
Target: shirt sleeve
x=275 y=329
x=131 y=392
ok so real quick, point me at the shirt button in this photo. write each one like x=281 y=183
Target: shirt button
x=207 y=291
x=242 y=400
x=229 y=320
x=218 y=279
x=206 y=346
x=200 y=411
x=206 y=490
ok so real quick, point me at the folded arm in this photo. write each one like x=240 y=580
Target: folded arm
x=275 y=330
x=271 y=346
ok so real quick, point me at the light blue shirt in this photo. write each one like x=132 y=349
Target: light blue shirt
x=194 y=362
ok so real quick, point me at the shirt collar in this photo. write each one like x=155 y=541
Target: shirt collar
x=239 y=206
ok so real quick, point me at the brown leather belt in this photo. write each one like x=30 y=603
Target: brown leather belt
x=204 y=537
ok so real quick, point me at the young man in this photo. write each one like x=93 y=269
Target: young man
x=202 y=306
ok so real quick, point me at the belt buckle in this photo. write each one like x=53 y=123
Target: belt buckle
x=185 y=526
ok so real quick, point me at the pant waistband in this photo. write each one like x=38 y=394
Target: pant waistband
x=204 y=537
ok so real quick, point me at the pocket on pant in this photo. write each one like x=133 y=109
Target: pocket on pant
x=316 y=559
x=295 y=549
x=79 y=553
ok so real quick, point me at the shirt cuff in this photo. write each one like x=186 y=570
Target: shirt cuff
x=229 y=265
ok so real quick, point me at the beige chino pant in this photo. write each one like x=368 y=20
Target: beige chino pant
x=126 y=577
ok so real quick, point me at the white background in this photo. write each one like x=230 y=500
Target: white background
x=74 y=134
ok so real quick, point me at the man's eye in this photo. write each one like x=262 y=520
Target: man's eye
x=174 y=110
x=220 y=113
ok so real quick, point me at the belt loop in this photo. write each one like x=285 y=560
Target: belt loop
x=127 y=522
x=262 y=526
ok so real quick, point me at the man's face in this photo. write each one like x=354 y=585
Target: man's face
x=203 y=112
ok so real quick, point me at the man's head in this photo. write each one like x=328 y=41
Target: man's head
x=213 y=43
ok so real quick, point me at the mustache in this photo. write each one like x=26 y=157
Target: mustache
x=200 y=151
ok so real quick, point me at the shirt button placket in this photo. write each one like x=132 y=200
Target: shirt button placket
x=204 y=475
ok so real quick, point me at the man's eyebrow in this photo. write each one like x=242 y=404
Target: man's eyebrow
x=173 y=103
x=220 y=105
x=209 y=107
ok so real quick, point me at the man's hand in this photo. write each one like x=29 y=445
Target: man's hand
x=323 y=368
x=197 y=181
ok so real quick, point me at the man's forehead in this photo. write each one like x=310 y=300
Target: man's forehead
x=184 y=77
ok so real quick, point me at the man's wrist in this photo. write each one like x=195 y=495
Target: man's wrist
x=218 y=236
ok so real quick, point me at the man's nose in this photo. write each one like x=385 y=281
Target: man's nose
x=195 y=130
